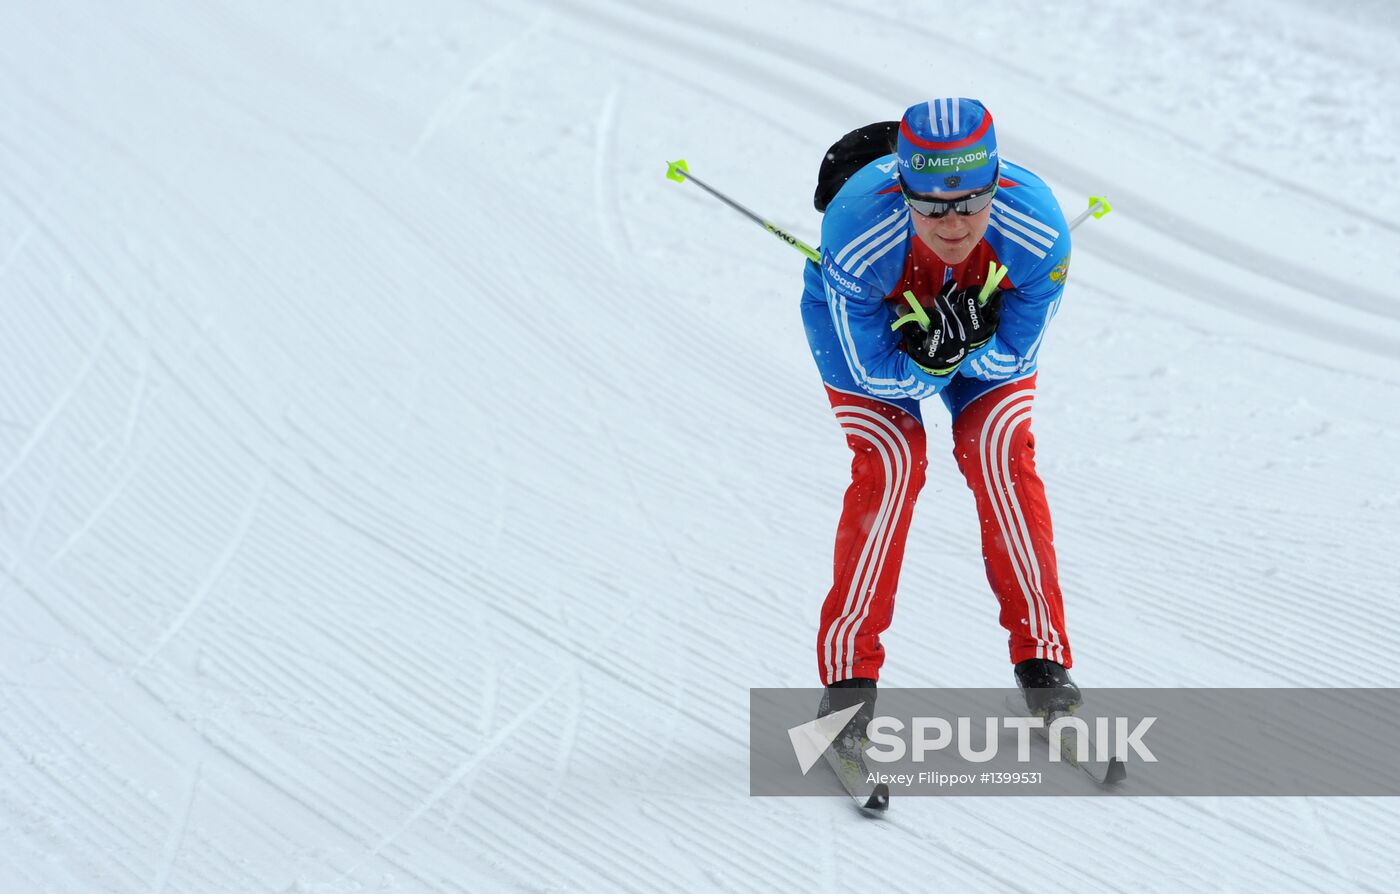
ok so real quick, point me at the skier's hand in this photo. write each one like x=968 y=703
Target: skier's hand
x=958 y=324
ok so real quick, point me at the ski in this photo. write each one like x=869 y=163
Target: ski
x=1109 y=772
x=838 y=735
x=846 y=761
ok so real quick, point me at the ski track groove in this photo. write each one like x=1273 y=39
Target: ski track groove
x=1252 y=832
x=265 y=678
x=391 y=708
x=95 y=515
x=487 y=718
x=605 y=180
x=138 y=395
x=178 y=829
x=268 y=773
x=320 y=708
x=16 y=249
x=360 y=523
x=436 y=714
x=1305 y=810
x=258 y=768
x=591 y=846
x=969 y=865
x=688 y=832
x=95 y=626
x=343 y=744
x=99 y=835
x=460 y=772
x=26 y=543
x=184 y=518
x=452 y=105
x=215 y=575
x=415 y=721
x=57 y=407
x=252 y=267
x=75 y=884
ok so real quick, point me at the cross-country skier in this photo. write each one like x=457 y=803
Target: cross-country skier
x=927 y=206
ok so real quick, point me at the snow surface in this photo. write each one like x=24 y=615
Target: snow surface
x=402 y=483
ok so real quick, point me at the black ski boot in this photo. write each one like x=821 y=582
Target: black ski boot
x=844 y=693
x=847 y=752
x=1047 y=687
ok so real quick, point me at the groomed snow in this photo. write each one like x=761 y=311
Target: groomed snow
x=402 y=483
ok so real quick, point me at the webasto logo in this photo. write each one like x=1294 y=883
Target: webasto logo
x=841 y=280
x=935 y=162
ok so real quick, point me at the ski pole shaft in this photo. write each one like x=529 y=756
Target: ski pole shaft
x=677 y=171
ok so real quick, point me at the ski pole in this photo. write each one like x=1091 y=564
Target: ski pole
x=679 y=172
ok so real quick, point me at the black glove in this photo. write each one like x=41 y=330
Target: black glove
x=958 y=323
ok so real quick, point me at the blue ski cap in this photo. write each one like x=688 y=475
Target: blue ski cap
x=947 y=145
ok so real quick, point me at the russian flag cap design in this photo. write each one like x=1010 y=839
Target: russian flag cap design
x=947 y=145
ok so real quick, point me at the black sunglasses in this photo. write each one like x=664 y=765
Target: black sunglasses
x=939 y=208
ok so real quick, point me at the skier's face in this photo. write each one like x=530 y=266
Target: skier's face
x=952 y=236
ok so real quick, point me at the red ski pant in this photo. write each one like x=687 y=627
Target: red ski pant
x=995 y=451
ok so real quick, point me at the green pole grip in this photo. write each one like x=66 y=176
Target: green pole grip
x=918 y=314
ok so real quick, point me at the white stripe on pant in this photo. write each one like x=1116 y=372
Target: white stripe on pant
x=894 y=451
x=996 y=438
